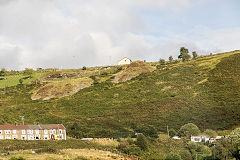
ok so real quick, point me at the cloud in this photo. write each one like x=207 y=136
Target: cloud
x=76 y=33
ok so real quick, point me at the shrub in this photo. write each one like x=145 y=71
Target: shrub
x=84 y=68
x=170 y=58
x=162 y=62
x=172 y=132
x=148 y=130
x=185 y=154
x=142 y=142
x=132 y=150
x=173 y=156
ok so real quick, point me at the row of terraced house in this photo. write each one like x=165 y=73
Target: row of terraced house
x=33 y=132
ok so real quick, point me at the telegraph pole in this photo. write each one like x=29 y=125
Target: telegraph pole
x=167 y=131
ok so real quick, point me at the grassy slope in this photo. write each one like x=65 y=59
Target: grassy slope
x=199 y=91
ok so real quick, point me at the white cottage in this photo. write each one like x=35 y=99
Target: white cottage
x=124 y=61
x=199 y=138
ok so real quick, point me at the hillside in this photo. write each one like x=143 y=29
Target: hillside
x=204 y=91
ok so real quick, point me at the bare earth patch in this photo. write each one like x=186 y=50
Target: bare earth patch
x=133 y=70
x=61 y=89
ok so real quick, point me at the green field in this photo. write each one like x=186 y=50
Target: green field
x=204 y=91
x=13 y=80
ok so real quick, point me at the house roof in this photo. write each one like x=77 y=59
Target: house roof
x=39 y=126
x=126 y=58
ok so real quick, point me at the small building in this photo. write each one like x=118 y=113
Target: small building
x=125 y=61
x=33 y=132
x=199 y=139
x=176 y=137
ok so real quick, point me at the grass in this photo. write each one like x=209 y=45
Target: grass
x=13 y=80
x=204 y=91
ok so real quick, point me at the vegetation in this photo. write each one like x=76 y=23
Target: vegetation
x=162 y=62
x=188 y=130
x=204 y=91
x=194 y=54
x=184 y=54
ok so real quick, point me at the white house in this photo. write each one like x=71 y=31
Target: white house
x=125 y=61
x=176 y=137
x=199 y=139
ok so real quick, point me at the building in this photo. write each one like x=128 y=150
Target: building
x=33 y=132
x=199 y=139
x=124 y=61
x=176 y=137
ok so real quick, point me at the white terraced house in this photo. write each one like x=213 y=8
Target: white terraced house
x=33 y=132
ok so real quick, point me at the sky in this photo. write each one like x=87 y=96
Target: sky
x=77 y=33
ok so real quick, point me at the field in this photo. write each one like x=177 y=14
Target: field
x=204 y=91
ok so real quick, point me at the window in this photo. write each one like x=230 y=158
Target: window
x=23 y=132
x=37 y=137
x=46 y=137
x=0 y=131
x=51 y=132
x=30 y=137
x=14 y=137
x=23 y=137
x=45 y=131
x=54 y=131
x=7 y=131
x=14 y=131
x=36 y=131
x=7 y=136
x=61 y=136
x=30 y=131
x=60 y=131
x=1 y=137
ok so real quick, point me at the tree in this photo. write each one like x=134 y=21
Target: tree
x=222 y=149
x=3 y=72
x=148 y=130
x=142 y=142
x=162 y=62
x=170 y=58
x=84 y=68
x=188 y=130
x=199 y=150
x=194 y=54
x=234 y=139
x=184 y=54
x=172 y=132
x=210 y=133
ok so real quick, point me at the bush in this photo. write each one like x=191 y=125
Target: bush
x=173 y=156
x=185 y=154
x=132 y=150
x=162 y=62
x=172 y=132
x=148 y=130
x=142 y=142
x=84 y=68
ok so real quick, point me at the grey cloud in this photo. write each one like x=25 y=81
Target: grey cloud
x=76 y=33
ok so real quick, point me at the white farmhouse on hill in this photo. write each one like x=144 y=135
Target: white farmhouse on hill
x=124 y=61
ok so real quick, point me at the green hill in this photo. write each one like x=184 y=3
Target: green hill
x=205 y=91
